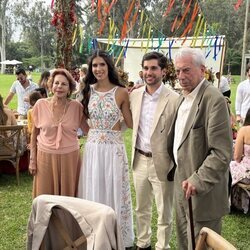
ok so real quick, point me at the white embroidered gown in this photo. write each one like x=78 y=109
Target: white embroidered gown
x=104 y=176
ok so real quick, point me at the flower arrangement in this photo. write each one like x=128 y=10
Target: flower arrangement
x=64 y=20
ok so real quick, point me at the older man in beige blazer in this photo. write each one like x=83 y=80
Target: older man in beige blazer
x=200 y=143
x=152 y=109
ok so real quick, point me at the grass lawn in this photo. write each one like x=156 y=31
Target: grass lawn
x=15 y=201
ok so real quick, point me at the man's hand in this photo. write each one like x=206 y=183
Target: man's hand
x=137 y=86
x=188 y=188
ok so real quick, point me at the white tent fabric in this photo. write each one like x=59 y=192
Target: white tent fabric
x=11 y=62
x=15 y=62
x=5 y=62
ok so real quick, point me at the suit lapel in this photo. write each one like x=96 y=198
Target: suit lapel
x=193 y=112
x=161 y=104
x=137 y=109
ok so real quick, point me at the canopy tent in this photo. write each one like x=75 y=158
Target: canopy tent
x=7 y=62
x=11 y=62
x=133 y=50
x=15 y=62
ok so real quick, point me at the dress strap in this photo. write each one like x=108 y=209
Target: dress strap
x=114 y=89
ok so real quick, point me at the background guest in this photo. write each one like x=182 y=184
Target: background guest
x=22 y=87
x=81 y=84
x=43 y=81
x=224 y=86
x=140 y=81
x=242 y=101
x=54 y=152
x=7 y=116
x=83 y=71
x=42 y=91
x=240 y=167
x=33 y=98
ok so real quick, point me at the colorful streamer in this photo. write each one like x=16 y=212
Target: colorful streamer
x=126 y=18
x=204 y=36
x=185 y=13
x=170 y=6
x=170 y=45
x=197 y=30
x=149 y=35
x=238 y=4
x=174 y=24
x=52 y=4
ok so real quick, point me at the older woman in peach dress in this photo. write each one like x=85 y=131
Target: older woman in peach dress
x=55 y=155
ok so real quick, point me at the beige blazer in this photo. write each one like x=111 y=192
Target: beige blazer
x=204 y=154
x=98 y=222
x=162 y=120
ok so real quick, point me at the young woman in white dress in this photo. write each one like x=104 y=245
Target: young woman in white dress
x=104 y=176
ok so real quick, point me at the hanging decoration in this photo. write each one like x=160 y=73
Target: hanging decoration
x=103 y=12
x=126 y=19
x=170 y=6
x=238 y=4
x=173 y=27
x=52 y=4
x=197 y=30
x=185 y=14
x=64 y=20
x=190 y=25
x=190 y=15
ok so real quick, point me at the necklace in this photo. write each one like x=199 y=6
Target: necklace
x=56 y=112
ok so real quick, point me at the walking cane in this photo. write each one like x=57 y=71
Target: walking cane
x=191 y=222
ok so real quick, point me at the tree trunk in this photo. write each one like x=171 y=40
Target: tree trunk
x=3 y=7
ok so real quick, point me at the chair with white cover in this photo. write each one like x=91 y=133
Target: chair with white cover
x=62 y=222
x=209 y=239
x=10 y=144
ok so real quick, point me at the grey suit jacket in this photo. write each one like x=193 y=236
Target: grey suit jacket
x=204 y=154
x=162 y=120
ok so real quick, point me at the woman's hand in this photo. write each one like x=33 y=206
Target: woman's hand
x=32 y=167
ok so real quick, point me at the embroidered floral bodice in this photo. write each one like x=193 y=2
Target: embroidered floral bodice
x=103 y=110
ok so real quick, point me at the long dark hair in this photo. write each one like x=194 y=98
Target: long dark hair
x=3 y=115
x=90 y=78
x=247 y=119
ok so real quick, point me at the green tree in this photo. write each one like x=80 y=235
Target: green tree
x=230 y=23
x=3 y=9
x=37 y=31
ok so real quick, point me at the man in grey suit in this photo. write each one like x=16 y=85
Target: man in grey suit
x=152 y=109
x=200 y=143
